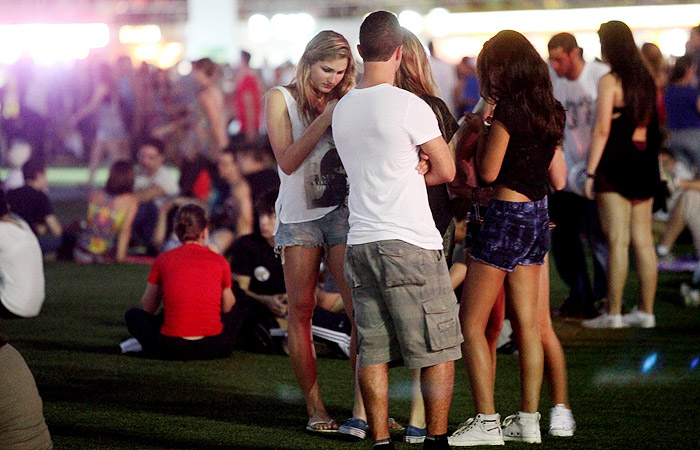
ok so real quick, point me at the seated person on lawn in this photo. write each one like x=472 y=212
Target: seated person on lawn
x=31 y=203
x=198 y=320
x=21 y=267
x=261 y=293
x=22 y=424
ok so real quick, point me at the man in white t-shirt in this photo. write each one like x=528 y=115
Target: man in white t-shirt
x=154 y=185
x=575 y=83
x=21 y=266
x=404 y=305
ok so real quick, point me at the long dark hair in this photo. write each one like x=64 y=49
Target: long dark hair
x=680 y=69
x=510 y=69
x=121 y=178
x=619 y=50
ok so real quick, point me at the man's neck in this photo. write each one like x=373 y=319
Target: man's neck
x=377 y=73
x=578 y=68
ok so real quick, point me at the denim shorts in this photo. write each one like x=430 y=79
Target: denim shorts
x=513 y=234
x=328 y=231
x=404 y=305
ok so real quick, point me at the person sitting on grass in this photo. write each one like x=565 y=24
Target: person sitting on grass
x=110 y=215
x=22 y=423
x=194 y=286
x=21 y=267
x=31 y=203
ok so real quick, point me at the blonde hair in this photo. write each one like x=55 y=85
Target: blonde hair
x=326 y=45
x=414 y=74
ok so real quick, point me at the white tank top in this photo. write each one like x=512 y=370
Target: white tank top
x=319 y=185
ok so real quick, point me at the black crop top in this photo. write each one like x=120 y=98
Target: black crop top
x=525 y=166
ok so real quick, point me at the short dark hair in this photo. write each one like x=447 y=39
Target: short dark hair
x=245 y=56
x=265 y=203
x=153 y=142
x=33 y=168
x=207 y=66
x=380 y=34
x=565 y=41
x=190 y=221
x=121 y=178
x=4 y=209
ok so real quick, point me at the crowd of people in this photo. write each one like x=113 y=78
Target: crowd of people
x=353 y=241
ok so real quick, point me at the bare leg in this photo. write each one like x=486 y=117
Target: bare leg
x=416 y=413
x=554 y=361
x=645 y=256
x=300 y=275
x=437 y=383
x=615 y=213
x=674 y=227
x=336 y=263
x=96 y=157
x=374 y=383
x=481 y=289
x=521 y=295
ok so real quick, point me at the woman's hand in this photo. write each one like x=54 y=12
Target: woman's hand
x=423 y=166
x=328 y=111
x=588 y=189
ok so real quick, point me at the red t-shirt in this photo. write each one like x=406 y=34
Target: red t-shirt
x=248 y=85
x=191 y=278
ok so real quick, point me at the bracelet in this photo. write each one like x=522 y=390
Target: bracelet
x=589 y=175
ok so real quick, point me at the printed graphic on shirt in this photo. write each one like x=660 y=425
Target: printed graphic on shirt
x=325 y=179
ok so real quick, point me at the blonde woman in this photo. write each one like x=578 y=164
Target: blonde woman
x=311 y=207
x=416 y=76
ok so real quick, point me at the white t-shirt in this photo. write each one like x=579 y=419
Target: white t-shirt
x=377 y=131
x=162 y=178
x=21 y=269
x=579 y=99
x=319 y=184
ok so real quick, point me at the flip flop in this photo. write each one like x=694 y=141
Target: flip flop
x=310 y=426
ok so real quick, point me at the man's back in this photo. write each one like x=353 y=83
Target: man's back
x=376 y=131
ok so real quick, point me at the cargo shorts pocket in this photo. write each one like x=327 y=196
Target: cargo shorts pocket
x=442 y=322
x=404 y=264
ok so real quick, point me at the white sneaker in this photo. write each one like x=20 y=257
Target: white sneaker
x=131 y=345
x=691 y=297
x=605 y=320
x=561 y=421
x=637 y=318
x=522 y=427
x=480 y=430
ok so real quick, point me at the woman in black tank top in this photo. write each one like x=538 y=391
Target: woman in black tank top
x=623 y=168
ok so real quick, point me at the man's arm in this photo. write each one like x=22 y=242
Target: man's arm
x=147 y=194
x=53 y=225
x=150 y=300
x=442 y=165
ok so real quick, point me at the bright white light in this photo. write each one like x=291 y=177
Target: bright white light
x=139 y=34
x=184 y=68
x=411 y=20
x=572 y=20
x=48 y=43
x=169 y=54
x=435 y=22
x=259 y=30
x=673 y=41
x=292 y=27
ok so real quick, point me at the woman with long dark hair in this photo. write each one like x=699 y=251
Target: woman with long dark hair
x=623 y=173
x=519 y=157
x=110 y=216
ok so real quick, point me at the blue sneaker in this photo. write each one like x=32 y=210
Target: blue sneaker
x=414 y=435
x=356 y=428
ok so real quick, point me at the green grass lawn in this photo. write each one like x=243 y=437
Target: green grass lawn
x=96 y=398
